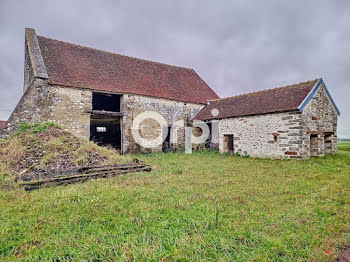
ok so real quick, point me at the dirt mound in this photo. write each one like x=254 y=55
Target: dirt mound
x=39 y=149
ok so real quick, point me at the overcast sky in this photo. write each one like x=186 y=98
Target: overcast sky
x=235 y=46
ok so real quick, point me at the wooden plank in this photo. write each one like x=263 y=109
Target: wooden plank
x=37 y=184
x=95 y=169
x=104 y=113
x=89 y=169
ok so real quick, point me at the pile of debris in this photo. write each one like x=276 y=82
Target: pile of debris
x=45 y=155
x=81 y=175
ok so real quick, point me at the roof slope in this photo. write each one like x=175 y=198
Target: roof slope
x=2 y=124
x=280 y=99
x=77 y=66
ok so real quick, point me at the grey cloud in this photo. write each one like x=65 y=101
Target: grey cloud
x=235 y=46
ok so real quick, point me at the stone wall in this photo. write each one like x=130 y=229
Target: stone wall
x=68 y=106
x=64 y=106
x=276 y=135
x=171 y=110
x=313 y=132
x=67 y=109
x=319 y=121
x=33 y=106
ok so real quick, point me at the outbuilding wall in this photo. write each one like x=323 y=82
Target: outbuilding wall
x=319 y=121
x=276 y=135
x=311 y=132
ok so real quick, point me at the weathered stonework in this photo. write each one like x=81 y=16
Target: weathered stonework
x=274 y=135
x=64 y=106
x=67 y=109
x=311 y=132
x=171 y=110
x=33 y=107
x=319 y=124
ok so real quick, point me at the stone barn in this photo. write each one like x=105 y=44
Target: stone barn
x=296 y=121
x=96 y=94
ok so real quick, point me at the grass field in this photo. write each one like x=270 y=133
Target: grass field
x=203 y=206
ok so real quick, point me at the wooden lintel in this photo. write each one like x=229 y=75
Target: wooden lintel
x=325 y=133
x=314 y=132
x=102 y=112
x=328 y=133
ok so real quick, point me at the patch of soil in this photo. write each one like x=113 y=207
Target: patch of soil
x=344 y=255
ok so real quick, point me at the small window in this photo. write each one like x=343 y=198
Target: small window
x=275 y=138
x=101 y=129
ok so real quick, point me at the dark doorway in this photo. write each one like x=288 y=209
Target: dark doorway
x=167 y=142
x=106 y=102
x=228 y=144
x=106 y=131
x=208 y=141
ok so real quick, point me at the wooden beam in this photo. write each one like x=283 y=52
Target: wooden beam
x=91 y=173
x=102 y=112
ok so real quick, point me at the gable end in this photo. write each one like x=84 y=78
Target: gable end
x=319 y=83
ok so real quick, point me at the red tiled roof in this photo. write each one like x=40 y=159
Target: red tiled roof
x=77 y=66
x=2 y=124
x=280 y=99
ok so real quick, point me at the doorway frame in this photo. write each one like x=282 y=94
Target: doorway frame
x=228 y=143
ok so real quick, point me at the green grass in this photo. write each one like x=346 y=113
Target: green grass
x=344 y=145
x=203 y=206
x=34 y=128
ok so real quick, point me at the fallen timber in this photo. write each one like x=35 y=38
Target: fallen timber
x=83 y=174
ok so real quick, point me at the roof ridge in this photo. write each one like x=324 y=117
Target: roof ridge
x=116 y=54
x=264 y=90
